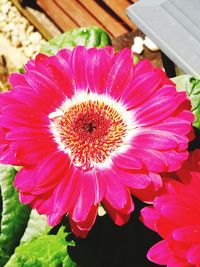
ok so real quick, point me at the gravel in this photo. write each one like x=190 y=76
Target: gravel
x=18 y=30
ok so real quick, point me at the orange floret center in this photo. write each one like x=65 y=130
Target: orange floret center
x=91 y=131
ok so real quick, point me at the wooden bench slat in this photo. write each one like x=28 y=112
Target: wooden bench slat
x=112 y=26
x=57 y=15
x=119 y=7
x=76 y=11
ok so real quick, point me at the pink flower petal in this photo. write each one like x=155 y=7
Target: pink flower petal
x=57 y=69
x=150 y=139
x=61 y=72
x=120 y=74
x=151 y=190
x=149 y=216
x=30 y=65
x=32 y=153
x=176 y=262
x=25 y=96
x=127 y=160
x=114 y=189
x=6 y=99
x=25 y=133
x=194 y=254
x=46 y=175
x=188 y=234
x=159 y=253
x=118 y=217
x=26 y=198
x=173 y=125
x=45 y=88
x=88 y=196
x=54 y=219
x=89 y=221
x=139 y=89
x=18 y=115
x=17 y=79
x=98 y=66
x=81 y=229
x=144 y=66
x=78 y=62
x=67 y=192
x=174 y=160
x=8 y=155
x=64 y=54
x=155 y=111
x=178 y=213
x=152 y=159
x=43 y=204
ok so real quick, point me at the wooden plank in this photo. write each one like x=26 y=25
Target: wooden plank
x=80 y=15
x=119 y=7
x=110 y=24
x=59 y=17
x=45 y=22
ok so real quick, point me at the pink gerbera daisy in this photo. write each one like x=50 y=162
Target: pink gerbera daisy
x=175 y=216
x=88 y=127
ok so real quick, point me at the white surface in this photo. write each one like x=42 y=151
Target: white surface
x=174 y=26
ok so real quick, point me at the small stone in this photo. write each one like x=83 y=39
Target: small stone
x=18 y=31
x=2 y=25
x=15 y=41
x=138 y=40
x=28 y=51
x=35 y=37
x=150 y=44
x=11 y=14
x=5 y=8
x=25 y=42
x=37 y=47
x=22 y=27
x=30 y=29
x=8 y=35
x=3 y=2
x=22 y=20
x=3 y=18
x=137 y=48
x=9 y=27
x=15 y=20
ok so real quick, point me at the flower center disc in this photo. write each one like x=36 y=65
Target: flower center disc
x=91 y=131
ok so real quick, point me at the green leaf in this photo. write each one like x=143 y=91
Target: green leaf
x=88 y=37
x=191 y=86
x=21 y=70
x=14 y=215
x=101 y=210
x=37 y=225
x=182 y=82
x=136 y=59
x=47 y=250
